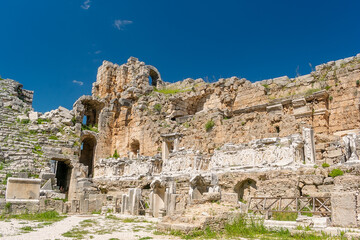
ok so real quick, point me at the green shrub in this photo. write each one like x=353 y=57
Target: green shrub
x=157 y=107
x=209 y=125
x=325 y=165
x=357 y=83
x=327 y=87
x=1 y=166
x=336 y=172
x=115 y=155
x=331 y=98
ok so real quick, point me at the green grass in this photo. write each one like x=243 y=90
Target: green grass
x=37 y=150
x=6 y=177
x=284 y=216
x=49 y=216
x=52 y=137
x=75 y=233
x=171 y=90
x=129 y=220
x=90 y=128
x=1 y=166
x=96 y=212
x=27 y=229
x=25 y=121
x=247 y=229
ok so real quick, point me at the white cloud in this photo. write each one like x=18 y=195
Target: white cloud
x=80 y=83
x=86 y=5
x=97 y=52
x=120 y=24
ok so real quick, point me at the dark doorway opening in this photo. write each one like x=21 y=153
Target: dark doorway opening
x=135 y=147
x=87 y=153
x=63 y=173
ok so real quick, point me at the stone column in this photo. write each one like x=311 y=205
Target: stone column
x=176 y=144
x=165 y=150
x=309 y=145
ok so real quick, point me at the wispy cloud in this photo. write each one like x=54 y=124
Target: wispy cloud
x=80 y=83
x=86 y=5
x=98 y=52
x=120 y=24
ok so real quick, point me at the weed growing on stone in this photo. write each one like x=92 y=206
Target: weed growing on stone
x=325 y=165
x=157 y=107
x=209 y=125
x=336 y=172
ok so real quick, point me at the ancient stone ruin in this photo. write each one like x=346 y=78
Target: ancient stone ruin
x=142 y=146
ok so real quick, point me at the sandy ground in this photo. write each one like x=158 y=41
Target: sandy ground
x=89 y=227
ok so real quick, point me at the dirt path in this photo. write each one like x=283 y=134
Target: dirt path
x=83 y=227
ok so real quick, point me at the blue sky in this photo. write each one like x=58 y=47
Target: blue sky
x=55 y=47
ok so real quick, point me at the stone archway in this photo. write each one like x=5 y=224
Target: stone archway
x=154 y=76
x=245 y=189
x=88 y=145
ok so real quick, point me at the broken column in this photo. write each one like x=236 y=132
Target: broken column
x=350 y=148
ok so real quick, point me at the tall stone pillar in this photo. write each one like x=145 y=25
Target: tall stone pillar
x=309 y=145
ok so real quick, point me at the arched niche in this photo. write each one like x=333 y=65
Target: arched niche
x=88 y=145
x=135 y=147
x=245 y=189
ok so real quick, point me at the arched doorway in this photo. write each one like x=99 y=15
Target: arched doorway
x=245 y=189
x=87 y=153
